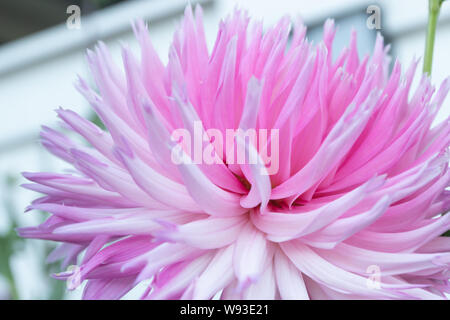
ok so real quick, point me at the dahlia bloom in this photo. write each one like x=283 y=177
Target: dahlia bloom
x=354 y=209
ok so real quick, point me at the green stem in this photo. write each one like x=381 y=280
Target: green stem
x=433 y=13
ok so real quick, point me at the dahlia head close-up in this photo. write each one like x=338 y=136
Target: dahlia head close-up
x=261 y=168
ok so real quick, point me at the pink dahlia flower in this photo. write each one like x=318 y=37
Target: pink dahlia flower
x=354 y=208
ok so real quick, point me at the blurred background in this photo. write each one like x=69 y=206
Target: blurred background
x=40 y=57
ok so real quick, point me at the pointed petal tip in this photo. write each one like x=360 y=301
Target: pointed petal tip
x=28 y=175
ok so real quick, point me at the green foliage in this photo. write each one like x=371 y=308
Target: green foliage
x=94 y=118
x=10 y=243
